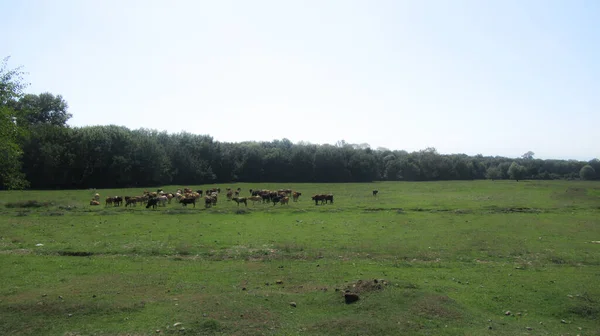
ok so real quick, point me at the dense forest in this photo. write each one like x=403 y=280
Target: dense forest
x=39 y=150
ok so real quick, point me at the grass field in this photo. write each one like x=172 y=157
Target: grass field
x=450 y=258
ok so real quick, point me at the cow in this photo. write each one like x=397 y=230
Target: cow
x=229 y=194
x=295 y=196
x=94 y=202
x=109 y=200
x=186 y=201
x=162 y=200
x=130 y=201
x=152 y=202
x=207 y=201
x=239 y=200
x=199 y=191
x=117 y=200
x=97 y=197
x=275 y=200
x=375 y=192
x=255 y=199
x=318 y=198
x=284 y=200
x=329 y=198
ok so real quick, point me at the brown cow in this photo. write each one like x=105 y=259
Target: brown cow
x=284 y=200
x=319 y=197
x=295 y=196
x=255 y=199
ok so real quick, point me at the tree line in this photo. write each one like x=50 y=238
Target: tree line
x=39 y=150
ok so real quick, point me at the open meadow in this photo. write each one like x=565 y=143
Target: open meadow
x=424 y=258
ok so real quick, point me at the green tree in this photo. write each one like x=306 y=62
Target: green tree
x=493 y=173
x=11 y=88
x=587 y=172
x=516 y=171
x=44 y=108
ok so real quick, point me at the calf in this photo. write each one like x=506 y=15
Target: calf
x=186 y=201
x=241 y=200
x=94 y=202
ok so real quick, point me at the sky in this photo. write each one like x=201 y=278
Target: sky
x=494 y=77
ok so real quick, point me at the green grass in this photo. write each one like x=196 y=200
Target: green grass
x=454 y=257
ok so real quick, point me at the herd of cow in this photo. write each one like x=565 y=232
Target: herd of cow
x=189 y=196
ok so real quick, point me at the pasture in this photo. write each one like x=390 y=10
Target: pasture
x=428 y=258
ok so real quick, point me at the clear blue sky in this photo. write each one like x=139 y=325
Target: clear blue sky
x=493 y=77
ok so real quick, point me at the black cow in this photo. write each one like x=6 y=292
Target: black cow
x=375 y=192
x=152 y=202
x=275 y=199
x=329 y=198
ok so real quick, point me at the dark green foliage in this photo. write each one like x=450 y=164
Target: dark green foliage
x=11 y=87
x=516 y=171
x=587 y=172
x=114 y=156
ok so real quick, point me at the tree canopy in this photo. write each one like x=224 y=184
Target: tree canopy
x=37 y=146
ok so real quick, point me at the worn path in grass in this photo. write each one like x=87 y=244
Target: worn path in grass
x=450 y=258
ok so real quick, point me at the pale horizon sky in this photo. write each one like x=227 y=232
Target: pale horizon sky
x=492 y=77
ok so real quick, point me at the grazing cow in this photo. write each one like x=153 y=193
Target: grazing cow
x=251 y=193
x=275 y=200
x=186 y=201
x=318 y=198
x=94 y=202
x=375 y=192
x=229 y=195
x=295 y=196
x=109 y=200
x=239 y=200
x=284 y=200
x=152 y=202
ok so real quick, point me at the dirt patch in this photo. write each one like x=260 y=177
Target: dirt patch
x=17 y=251
x=514 y=210
x=366 y=286
x=75 y=253
x=436 y=307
